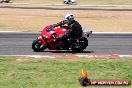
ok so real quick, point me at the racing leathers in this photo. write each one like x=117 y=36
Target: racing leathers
x=74 y=29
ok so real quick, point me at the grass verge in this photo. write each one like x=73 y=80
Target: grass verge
x=25 y=72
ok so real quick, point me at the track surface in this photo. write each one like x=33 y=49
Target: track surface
x=48 y=8
x=20 y=44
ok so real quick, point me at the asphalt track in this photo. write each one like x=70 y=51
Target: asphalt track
x=50 y=8
x=19 y=43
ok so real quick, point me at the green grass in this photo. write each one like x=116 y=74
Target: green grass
x=23 y=72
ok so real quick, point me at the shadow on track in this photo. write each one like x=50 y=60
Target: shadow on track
x=65 y=51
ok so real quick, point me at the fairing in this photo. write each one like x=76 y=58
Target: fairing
x=49 y=35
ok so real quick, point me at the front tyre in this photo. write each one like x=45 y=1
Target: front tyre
x=37 y=46
x=80 y=45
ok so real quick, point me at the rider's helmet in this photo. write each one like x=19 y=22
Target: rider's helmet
x=69 y=17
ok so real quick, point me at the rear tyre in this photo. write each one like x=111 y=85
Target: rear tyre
x=37 y=46
x=80 y=45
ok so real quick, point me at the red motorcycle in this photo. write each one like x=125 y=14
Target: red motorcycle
x=48 y=39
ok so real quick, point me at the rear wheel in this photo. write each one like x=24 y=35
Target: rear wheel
x=80 y=45
x=37 y=46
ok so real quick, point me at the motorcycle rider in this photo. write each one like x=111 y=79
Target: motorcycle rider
x=69 y=1
x=74 y=29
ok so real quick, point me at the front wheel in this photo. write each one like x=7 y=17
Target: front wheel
x=80 y=45
x=37 y=46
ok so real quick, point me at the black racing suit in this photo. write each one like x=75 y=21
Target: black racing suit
x=74 y=29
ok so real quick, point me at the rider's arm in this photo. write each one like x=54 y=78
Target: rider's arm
x=61 y=23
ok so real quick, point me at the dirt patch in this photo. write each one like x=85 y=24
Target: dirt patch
x=36 y=19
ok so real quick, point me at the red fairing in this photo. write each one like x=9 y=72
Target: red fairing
x=48 y=32
x=60 y=31
x=41 y=38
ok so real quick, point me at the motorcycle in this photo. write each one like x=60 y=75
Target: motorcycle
x=70 y=2
x=48 y=39
x=6 y=1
